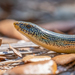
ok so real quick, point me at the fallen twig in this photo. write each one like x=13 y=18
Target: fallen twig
x=5 y=47
x=10 y=62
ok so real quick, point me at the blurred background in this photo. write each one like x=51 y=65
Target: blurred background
x=55 y=15
x=37 y=10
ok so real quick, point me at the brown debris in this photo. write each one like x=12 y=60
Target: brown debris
x=64 y=59
x=15 y=51
x=0 y=41
x=6 y=40
x=4 y=47
x=72 y=31
x=42 y=67
x=7 y=28
x=70 y=65
x=2 y=58
x=10 y=62
x=32 y=58
x=2 y=72
x=58 y=31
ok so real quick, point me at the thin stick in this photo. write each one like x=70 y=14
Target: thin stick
x=10 y=62
x=5 y=47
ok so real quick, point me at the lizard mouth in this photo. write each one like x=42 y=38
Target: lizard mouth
x=17 y=26
x=16 y=23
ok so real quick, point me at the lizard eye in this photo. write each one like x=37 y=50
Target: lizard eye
x=28 y=26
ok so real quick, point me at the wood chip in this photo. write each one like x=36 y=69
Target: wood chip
x=15 y=51
x=42 y=67
x=32 y=58
x=64 y=59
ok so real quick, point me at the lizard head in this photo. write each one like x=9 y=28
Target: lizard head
x=26 y=27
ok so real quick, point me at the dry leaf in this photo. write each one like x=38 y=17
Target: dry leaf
x=64 y=59
x=15 y=51
x=32 y=58
x=42 y=67
x=7 y=28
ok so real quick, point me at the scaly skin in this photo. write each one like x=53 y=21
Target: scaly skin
x=50 y=40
